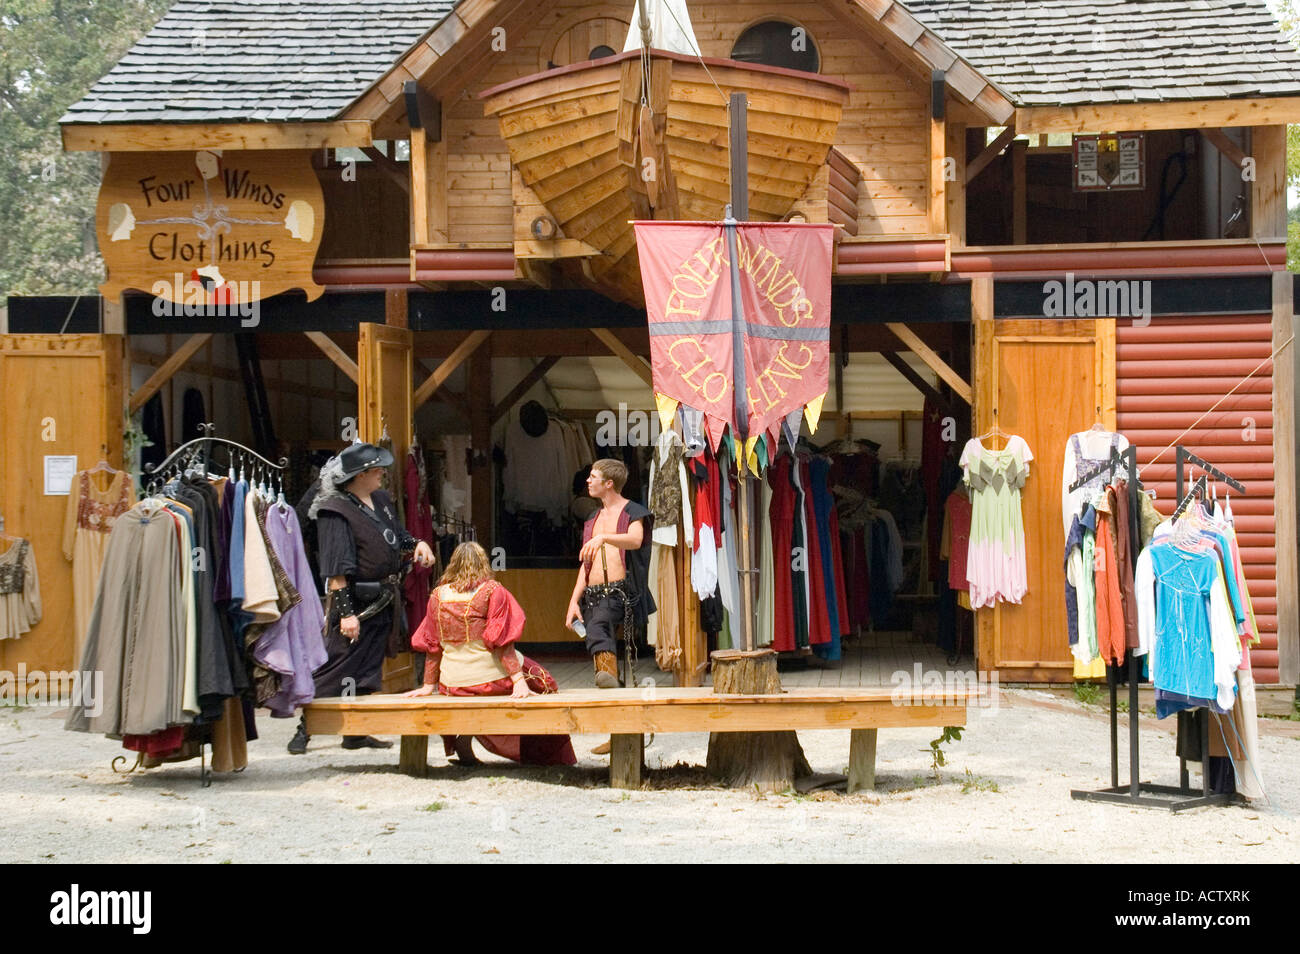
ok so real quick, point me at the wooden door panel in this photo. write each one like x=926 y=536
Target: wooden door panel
x=384 y=397
x=1046 y=390
x=62 y=394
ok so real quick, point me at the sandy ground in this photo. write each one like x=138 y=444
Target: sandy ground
x=1004 y=796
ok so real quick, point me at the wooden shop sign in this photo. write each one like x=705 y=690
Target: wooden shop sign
x=212 y=227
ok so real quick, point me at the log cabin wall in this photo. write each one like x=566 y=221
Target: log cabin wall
x=1167 y=374
x=884 y=131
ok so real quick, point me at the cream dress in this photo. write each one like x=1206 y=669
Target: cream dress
x=87 y=522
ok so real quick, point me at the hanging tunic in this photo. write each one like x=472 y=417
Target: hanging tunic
x=419 y=523
x=819 y=624
x=136 y=636
x=292 y=646
x=827 y=552
x=87 y=522
x=20 y=590
x=780 y=515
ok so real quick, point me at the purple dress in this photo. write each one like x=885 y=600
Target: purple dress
x=293 y=645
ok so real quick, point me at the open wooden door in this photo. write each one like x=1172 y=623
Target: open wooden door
x=61 y=395
x=1044 y=380
x=384 y=400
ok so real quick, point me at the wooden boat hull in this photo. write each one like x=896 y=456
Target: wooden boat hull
x=630 y=136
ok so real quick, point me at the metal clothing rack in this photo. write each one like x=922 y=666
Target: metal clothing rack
x=1181 y=797
x=196 y=457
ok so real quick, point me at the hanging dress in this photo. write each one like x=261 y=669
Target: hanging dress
x=996 y=563
x=87 y=522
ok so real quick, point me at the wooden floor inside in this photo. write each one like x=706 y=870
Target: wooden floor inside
x=869 y=660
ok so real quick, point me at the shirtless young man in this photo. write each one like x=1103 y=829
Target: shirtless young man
x=615 y=559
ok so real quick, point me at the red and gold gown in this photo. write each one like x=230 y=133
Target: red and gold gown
x=469 y=643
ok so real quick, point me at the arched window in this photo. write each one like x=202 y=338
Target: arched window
x=778 y=43
x=600 y=52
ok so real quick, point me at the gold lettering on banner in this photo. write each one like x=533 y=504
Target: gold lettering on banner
x=713 y=387
x=774 y=283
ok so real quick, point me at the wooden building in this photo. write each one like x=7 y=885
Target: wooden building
x=976 y=152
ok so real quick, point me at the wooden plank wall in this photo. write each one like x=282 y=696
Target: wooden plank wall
x=63 y=395
x=885 y=129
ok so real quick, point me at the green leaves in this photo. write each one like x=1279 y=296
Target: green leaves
x=51 y=53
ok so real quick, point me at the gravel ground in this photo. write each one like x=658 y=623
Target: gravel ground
x=1004 y=796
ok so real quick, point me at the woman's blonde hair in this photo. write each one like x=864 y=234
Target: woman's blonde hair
x=467 y=568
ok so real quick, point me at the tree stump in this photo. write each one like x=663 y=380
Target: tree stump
x=768 y=761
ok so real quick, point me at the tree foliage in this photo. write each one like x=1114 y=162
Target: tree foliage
x=51 y=53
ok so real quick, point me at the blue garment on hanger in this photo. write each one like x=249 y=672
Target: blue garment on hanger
x=1184 y=662
x=822 y=503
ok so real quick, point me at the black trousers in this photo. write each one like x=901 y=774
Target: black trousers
x=602 y=617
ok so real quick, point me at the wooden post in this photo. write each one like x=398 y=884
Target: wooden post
x=766 y=761
x=1284 y=476
x=479 y=390
x=626 y=759
x=413 y=756
x=983 y=408
x=862 y=760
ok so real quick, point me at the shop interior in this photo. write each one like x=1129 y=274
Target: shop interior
x=891 y=473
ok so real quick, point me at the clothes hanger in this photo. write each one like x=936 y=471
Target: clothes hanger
x=994 y=431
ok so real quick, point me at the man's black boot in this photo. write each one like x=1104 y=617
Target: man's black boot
x=298 y=744
x=365 y=742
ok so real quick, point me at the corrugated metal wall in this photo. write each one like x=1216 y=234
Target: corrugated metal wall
x=1171 y=372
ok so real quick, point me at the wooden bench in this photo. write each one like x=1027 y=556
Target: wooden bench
x=626 y=714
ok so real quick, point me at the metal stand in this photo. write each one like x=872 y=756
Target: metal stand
x=1178 y=798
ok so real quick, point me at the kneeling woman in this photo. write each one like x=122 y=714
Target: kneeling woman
x=468 y=637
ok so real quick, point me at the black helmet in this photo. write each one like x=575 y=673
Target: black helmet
x=358 y=457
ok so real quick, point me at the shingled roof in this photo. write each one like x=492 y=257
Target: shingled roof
x=293 y=61
x=257 y=60
x=1071 y=52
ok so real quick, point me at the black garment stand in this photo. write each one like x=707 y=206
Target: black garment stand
x=1146 y=794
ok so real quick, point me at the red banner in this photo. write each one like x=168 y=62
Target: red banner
x=785 y=298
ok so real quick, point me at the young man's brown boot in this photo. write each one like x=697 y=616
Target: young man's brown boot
x=606 y=671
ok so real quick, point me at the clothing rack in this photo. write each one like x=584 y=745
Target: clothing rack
x=1181 y=797
x=454 y=525
x=196 y=455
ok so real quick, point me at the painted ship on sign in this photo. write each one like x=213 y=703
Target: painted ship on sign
x=645 y=135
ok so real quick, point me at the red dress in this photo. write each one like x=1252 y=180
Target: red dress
x=819 y=623
x=468 y=639
x=781 y=515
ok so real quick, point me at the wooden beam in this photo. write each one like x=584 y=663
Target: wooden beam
x=1284 y=478
x=1231 y=151
x=983 y=416
x=449 y=365
x=166 y=137
x=423 y=111
x=419 y=193
x=991 y=152
x=918 y=382
x=1268 y=191
x=396 y=171
x=637 y=364
x=524 y=386
x=169 y=368
x=1019 y=202
x=938 y=207
x=1192 y=114
x=931 y=357
x=395 y=308
x=336 y=354
x=455 y=398
x=955 y=184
